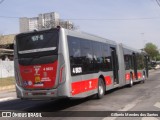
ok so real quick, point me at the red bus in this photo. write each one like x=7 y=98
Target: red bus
x=57 y=62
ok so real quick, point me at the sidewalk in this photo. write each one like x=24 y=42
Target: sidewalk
x=10 y=87
x=152 y=70
x=8 y=94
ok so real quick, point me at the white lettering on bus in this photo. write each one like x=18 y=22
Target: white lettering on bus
x=49 y=68
x=77 y=70
x=90 y=84
x=37 y=37
x=36 y=68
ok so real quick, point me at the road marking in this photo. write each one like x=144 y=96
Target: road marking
x=158 y=86
x=157 y=104
x=149 y=118
x=109 y=118
x=7 y=99
x=126 y=108
x=131 y=105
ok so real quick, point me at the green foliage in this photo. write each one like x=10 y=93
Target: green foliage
x=158 y=58
x=152 y=50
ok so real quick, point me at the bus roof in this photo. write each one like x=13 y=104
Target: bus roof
x=85 y=35
x=129 y=48
x=23 y=33
x=89 y=36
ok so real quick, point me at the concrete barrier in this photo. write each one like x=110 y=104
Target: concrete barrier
x=6 y=69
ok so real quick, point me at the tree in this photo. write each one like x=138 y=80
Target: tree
x=158 y=58
x=151 y=50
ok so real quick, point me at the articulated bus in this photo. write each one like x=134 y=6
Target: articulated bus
x=57 y=62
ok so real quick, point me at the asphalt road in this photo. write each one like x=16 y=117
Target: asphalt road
x=140 y=97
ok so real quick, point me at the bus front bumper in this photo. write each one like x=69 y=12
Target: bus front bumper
x=36 y=94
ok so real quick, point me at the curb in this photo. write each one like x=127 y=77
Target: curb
x=7 y=87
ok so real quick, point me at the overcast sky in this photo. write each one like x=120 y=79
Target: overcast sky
x=132 y=22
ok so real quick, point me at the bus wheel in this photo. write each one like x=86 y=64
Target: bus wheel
x=101 y=88
x=131 y=81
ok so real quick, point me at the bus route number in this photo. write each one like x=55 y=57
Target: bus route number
x=37 y=37
x=77 y=70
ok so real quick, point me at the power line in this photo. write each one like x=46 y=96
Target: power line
x=93 y=19
x=9 y=17
x=158 y=2
x=110 y=19
x=1 y=1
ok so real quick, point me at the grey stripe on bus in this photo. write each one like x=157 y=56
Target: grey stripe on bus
x=37 y=50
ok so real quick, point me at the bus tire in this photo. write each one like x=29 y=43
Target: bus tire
x=101 y=88
x=131 y=81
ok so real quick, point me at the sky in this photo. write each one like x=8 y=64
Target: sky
x=131 y=22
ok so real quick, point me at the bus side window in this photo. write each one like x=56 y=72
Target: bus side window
x=128 y=59
x=75 y=55
x=106 y=56
x=140 y=61
x=87 y=56
x=97 y=56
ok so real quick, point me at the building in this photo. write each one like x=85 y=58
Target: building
x=33 y=23
x=46 y=20
x=24 y=24
x=67 y=24
x=6 y=47
x=43 y=21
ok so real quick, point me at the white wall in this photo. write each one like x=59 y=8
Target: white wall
x=6 y=69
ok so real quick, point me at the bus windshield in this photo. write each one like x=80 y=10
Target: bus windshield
x=38 y=43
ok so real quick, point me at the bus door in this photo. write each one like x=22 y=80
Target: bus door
x=135 y=66
x=114 y=65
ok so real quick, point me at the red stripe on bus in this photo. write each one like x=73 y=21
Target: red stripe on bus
x=84 y=86
x=108 y=80
x=87 y=85
x=127 y=76
x=139 y=75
